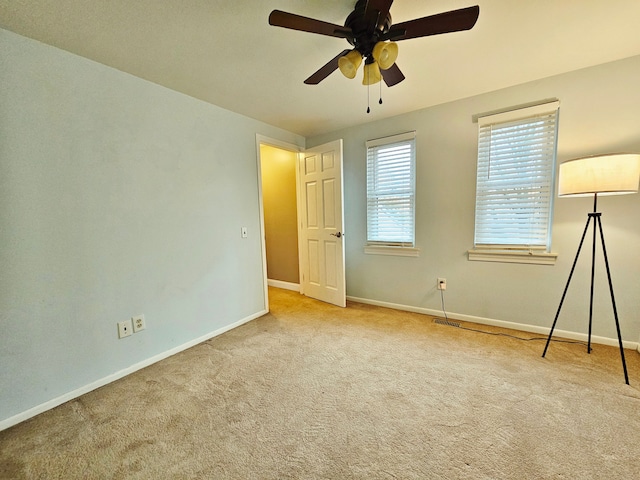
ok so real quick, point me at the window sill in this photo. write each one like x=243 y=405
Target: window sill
x=389 y=250
x=513 y=256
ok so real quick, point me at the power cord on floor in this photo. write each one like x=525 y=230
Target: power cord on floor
x=444 y=310
x=500 y=334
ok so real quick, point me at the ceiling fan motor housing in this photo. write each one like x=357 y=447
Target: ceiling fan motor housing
x=366 y=31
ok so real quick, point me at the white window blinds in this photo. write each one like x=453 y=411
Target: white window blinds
x=516 y=165
x=391 y=190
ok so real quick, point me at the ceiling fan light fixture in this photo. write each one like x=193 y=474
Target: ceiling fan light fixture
x=371 y=74
x=369 y=27
x=349 y=63
x=385 y=53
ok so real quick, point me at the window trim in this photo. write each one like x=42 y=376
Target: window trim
x=517 y=255
x=395 y=248
x=514 y=253
x=396 y=251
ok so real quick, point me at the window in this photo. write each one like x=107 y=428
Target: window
x=391 y=167
x=514 y=190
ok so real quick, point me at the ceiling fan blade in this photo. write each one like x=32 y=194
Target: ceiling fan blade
x=325 y=70
x=453 y=21
x=392 y=75
x=279 y=18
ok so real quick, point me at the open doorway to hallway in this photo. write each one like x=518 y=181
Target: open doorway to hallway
x=278 y=172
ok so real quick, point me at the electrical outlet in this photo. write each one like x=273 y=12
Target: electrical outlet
x=442 y=283
x=125 y=328
x=138 y=323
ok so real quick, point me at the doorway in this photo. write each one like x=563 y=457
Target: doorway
x=279 y=203
x=301 y=217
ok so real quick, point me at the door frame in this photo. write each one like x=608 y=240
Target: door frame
x=290 y=147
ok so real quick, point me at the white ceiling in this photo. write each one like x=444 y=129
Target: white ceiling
x=225 y=52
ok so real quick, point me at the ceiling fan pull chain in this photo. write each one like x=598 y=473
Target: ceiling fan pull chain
x=368 y=109
x=380 y=101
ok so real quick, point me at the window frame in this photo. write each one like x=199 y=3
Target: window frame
x=510 y=251
x=390 y=246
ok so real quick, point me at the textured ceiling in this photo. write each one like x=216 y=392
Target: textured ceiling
x=225 y=52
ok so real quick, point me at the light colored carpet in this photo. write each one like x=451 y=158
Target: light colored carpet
x=317 y=392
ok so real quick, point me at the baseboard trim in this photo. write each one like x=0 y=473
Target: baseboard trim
x=582 y=337
x=286 y=285
x=43 y=407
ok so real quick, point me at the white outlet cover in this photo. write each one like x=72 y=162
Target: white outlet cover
x=138 y=323
x=125 y=328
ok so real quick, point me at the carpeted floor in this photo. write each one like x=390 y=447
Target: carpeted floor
x=312 y=391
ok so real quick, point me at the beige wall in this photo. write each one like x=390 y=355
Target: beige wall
x=280 y=213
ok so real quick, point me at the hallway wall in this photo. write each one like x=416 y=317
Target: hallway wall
x=278 y=168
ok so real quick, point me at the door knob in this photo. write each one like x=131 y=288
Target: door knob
x=336 y=234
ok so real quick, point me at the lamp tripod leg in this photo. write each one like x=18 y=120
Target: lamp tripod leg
x=613 y=302
x=564 y=294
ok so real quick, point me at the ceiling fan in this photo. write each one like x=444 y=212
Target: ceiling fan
x=369 y=29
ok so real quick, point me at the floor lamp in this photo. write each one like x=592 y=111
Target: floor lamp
x=599 y=175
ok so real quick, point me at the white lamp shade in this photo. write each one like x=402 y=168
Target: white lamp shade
x=613 y=174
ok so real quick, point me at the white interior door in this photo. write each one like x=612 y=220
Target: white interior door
x=321 y=221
